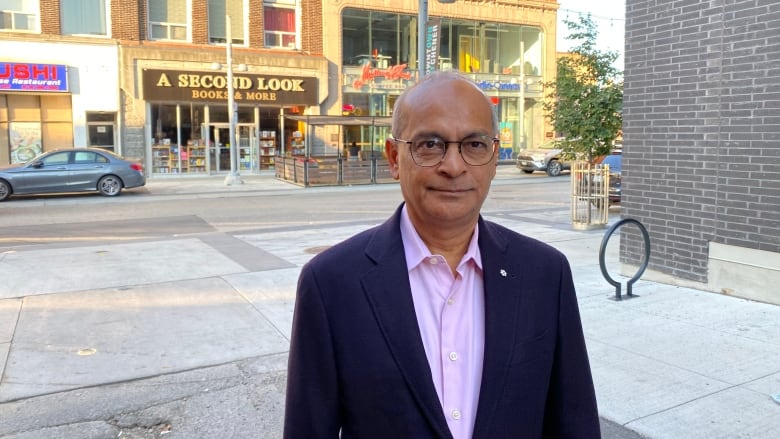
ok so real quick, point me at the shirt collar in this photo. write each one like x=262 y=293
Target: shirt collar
x=416 y=251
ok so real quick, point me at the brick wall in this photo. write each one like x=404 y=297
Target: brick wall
x=50 y=17
x=256 y=30
x=200 y=22
x=701 y=129
x=126 y=19
x=311 y=23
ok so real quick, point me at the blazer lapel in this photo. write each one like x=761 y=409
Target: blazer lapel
x=502 y=299
x=388 y=291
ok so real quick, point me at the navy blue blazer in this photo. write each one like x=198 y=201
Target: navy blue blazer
x=357 y=366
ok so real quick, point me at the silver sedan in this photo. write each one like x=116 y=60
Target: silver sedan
x=72 y=170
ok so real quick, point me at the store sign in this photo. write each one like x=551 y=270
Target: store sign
x=369 y=74
x=168 y=85
x=499 y=85
x=33 y=77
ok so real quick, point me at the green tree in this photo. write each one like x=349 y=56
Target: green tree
x=585 y=102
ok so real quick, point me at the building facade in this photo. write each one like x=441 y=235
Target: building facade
x=148 y=79
x=507 y=47
x=56 y=95
x=701 y=144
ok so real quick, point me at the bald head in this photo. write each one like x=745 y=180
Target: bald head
x=431 y=87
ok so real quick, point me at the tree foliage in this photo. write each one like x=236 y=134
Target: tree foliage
x=585 y=102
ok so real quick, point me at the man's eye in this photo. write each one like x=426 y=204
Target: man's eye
x=475 y=144
x=430 y=144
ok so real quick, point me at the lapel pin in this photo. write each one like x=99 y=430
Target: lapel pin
x=503 y=272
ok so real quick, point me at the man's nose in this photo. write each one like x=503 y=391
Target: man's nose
x=452 y=158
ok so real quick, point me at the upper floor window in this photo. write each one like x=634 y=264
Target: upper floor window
x=218 y=11
x=84 y=17
x=280 y=22
x=20 y=15
x=168 y=20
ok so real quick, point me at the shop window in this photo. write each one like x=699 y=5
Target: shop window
x=378 y=38
x=56 y=108
x=83 y=17
x=100 y=130
x=164 y=128
x=218 y=11
x=19 y=15
x=168 y=19
x=24 y=108
x=38 y=124
x=178 y=144
x=24 y=127
x=218 y=113
x=56 y=122
x=279 y=20
x=383 y=39
x=533 y=48
x=191 y=120
x=5 y=144
x=4 y=141
x=56 y=135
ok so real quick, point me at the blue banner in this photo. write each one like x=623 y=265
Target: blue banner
x=432 y=45
x=33 y=77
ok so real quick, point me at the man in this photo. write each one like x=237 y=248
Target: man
x=437 y=323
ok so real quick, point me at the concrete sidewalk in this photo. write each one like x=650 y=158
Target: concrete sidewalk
x=188 y=336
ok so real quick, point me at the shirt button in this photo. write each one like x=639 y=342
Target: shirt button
x=453 y=356
x=456 y=414
x=450 y=301
x=433 y=261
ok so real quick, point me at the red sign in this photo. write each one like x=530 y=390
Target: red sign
x=368 y=74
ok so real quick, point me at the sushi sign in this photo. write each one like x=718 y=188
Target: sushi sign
x=33 y=77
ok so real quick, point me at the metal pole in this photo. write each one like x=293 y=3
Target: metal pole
x=422 y=25
x=233 y=177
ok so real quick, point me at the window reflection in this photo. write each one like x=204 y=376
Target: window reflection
x=383 y=39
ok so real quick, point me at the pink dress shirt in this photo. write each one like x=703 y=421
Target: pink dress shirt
x=451 y=314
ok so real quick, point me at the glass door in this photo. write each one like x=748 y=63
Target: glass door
x=247 y=147
x=219 y=147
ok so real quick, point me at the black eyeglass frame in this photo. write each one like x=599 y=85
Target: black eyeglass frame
x=494 y=142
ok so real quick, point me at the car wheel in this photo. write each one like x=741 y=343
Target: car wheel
x=527 y=171
x=5 y=190
x=554 y=168
x=110 y=186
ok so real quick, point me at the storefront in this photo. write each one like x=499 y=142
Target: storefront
x=379 y=60
x=188 y=127
x=52 y=97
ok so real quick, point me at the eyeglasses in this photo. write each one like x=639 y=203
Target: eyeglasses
x=476 y=150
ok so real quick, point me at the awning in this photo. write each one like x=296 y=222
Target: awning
x=380 y=121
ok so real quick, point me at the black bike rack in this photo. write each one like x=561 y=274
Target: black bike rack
x=642 y=266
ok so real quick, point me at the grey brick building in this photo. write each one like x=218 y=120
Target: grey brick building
x=702 y=143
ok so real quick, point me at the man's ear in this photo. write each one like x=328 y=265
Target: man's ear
x=391 y=150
